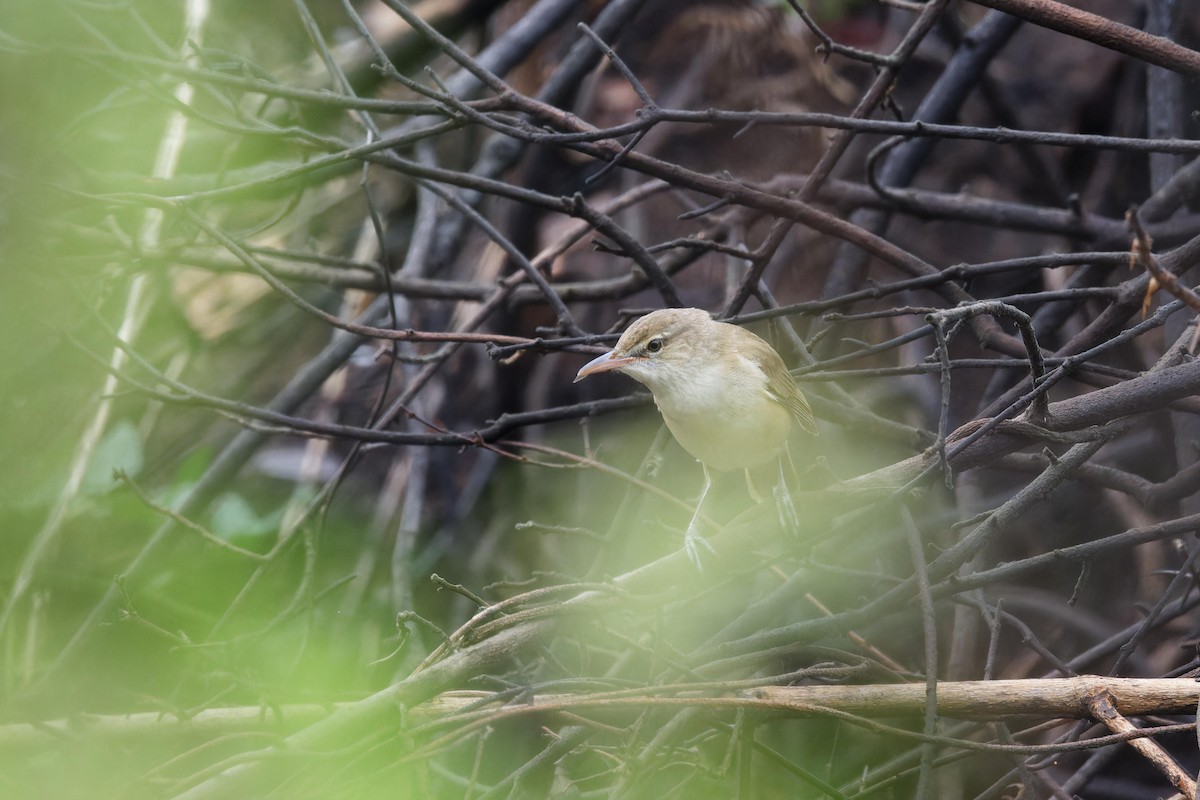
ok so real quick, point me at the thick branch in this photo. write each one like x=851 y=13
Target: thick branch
x=1105 y=32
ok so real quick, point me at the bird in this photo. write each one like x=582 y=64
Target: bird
x=725 y=394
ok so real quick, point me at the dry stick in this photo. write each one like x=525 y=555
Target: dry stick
x=1142 y=252
x=797 y=701
x=588 y=139
x=943 y=352
x=281 y=422
x=319 y=98
x=330 y=271
x=380 y=709
x=652 y=116
x=1154 y=496
x=1167 y=113
x=1076 y=456
x=1007 y=573
x=849 y=125
x=343 y=155
x=387 y=334
x=648 y=104
x=583 y=133
x=1103 y=707
x=1037 y=366
x=958 y=272
x=892 y=771
x=630 y=247
x=157 y=725
x=1180 y=189
x=608 y=227
x=1042 y=698
x=1105 y=32
x=184 y=522
x=959 y=206
x=828 y=46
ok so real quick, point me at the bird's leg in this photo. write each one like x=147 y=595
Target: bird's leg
x=786 y=509
x=692 y=539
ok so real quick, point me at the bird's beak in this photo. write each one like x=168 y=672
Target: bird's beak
x=602 y=363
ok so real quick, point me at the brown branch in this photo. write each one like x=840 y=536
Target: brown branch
x=987 y=700
x=1105 y=32
x=1053 y=698
x=1142 y=252
x=1103 y=706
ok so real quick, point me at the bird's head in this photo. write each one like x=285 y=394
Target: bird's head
x=661 y=350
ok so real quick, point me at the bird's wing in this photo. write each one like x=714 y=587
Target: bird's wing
x=798 y=407
x=782 y=386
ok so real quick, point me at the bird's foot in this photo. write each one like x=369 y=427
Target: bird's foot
x=789 y=520
x=693 y=543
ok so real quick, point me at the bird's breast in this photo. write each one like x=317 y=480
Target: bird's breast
x=726 y=418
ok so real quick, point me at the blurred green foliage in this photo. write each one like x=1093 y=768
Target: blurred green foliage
x=192 y=625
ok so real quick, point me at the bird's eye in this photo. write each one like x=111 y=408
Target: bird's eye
x=654 y=345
